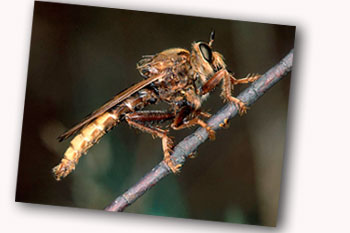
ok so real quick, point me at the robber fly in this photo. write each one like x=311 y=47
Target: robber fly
x=178 y=77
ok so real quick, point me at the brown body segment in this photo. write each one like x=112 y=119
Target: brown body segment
x=87 y=137
x=92 y=132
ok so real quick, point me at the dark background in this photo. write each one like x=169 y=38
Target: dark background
x=81 y=56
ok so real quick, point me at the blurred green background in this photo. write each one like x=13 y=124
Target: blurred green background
x=81 y=56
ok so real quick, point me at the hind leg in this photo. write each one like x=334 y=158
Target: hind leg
x=138 y=120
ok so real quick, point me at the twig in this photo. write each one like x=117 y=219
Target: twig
x=191 y=142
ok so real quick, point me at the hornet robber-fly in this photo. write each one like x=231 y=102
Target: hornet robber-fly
x=183 y=79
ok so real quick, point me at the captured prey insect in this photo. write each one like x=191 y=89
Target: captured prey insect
x=178 y=77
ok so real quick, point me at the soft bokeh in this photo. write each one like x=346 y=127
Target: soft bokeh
x=81 y=56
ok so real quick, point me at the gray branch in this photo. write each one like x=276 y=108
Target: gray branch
x=191 y=142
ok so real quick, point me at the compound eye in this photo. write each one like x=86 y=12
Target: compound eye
x=206 y=52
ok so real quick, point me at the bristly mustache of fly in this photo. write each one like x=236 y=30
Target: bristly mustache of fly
x=181 y=78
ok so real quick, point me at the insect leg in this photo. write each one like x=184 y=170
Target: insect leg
x=167 y=143
x=151 y=116
x=248 y=79
x=228 y=82
x=180 y=123
x=196 y=121
x=204 y=114
x=227 y=88
x=213 y=81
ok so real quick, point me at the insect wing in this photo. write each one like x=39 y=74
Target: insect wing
x=116 y=100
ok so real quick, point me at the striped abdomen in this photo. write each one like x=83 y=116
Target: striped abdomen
x=93 y=131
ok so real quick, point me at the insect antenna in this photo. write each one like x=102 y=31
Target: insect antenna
x=211 y=37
